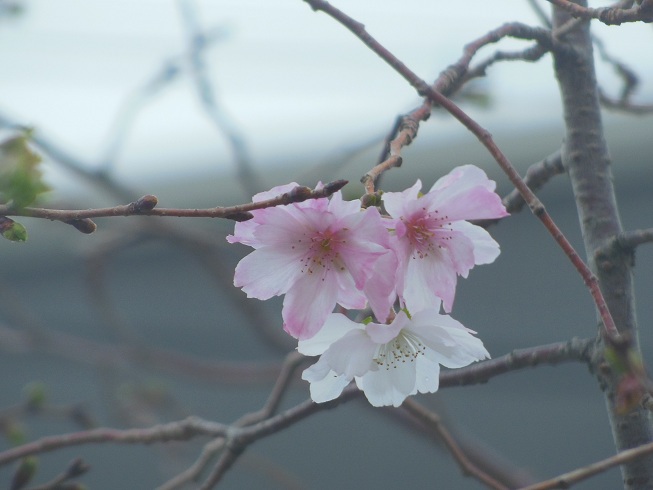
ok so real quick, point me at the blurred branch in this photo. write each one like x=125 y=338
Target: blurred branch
x=169 y=72
x=642 y=12
x=433 y=422
x=206 y=94
x=75 y=468
x=146 y=206
x=291 y=363
x=97 y=354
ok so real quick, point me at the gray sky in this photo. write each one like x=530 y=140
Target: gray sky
x=293 y=81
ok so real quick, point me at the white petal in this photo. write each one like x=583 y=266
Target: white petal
x=427 y=374
x=385 y=387
x=352 y=355
x=325 y=384
x=335 y=327
x=267 y=272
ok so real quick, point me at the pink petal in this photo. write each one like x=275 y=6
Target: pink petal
x=382 y=334
x=395 y=202
x=267 y=272
x=466 y=193
x=486 y=249
x=308 y=303
x=427 y=281
x=380 y=288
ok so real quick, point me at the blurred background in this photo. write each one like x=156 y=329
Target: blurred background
x=204 y=103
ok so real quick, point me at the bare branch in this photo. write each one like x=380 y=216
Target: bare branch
x=579 y=350
x=173 y=431
x=536 y=176
x=145 y=206
x=569 y=479
x=291 y=363
x=632 y=239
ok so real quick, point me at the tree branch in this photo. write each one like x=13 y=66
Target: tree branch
x=484 y=136
x=146 y=206
x=568 y=479
x=643 y=12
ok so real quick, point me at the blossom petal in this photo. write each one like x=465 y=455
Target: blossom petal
x=427 y=373
x=308 y=303
x=267 y=272
x=326 y=385
x=452 y=344
x=466 y=193
x=395 y=202
x=385 y=387
x=274 y=192
x=382 y=334
x=335 y=327
x=380 y=288
x=352 y=355
x=428 y=281
x=486 y=249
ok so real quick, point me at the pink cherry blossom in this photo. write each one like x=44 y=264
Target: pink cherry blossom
x=319 y=253
x=388 y=362
x=434 y=242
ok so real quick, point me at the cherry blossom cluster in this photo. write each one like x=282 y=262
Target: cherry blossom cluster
x=327 y=252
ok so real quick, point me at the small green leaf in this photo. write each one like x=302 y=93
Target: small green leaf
x=15 y=433
x=20 y=176
x=12 y=230
x=35 y=394
x=25 y=472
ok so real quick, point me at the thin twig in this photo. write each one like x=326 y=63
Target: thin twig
x=568 y=479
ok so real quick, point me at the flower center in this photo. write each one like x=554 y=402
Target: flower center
x=322 y=254
x=425 y=232
x=405 y=347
